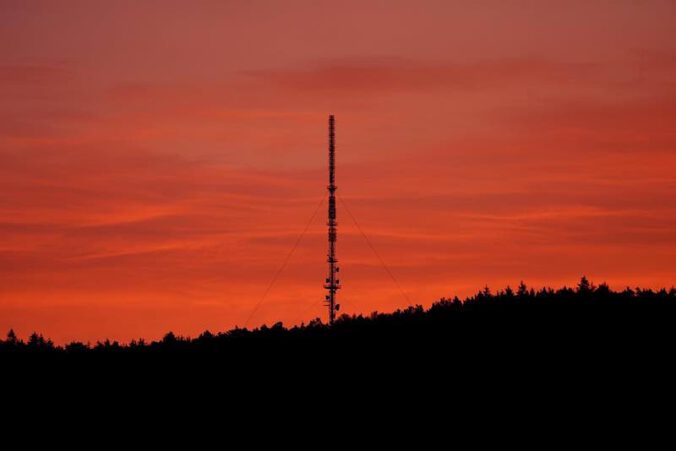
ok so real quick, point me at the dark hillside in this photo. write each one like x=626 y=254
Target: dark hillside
x=588 y=321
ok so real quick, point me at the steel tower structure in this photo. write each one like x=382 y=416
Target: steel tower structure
x=332 y=283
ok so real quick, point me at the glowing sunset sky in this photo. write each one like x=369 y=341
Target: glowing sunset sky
x=158 y=159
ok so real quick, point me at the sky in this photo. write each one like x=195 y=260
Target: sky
x=159 y=159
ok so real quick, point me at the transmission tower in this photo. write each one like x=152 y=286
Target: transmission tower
x=332 y=284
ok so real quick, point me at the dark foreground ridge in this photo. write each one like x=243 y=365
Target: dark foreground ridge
x=553 y=347
x=588 y=320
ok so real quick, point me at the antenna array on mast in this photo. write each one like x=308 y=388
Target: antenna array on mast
x=332 y=284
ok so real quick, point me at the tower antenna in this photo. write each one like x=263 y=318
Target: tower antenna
x=332 y=284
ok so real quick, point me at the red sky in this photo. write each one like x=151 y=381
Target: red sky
x=158 y=159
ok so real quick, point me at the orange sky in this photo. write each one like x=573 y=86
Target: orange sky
x=159 y=158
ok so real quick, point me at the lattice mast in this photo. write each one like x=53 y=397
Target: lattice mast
x=332 y=284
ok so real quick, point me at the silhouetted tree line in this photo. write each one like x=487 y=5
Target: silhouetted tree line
x=588 y=318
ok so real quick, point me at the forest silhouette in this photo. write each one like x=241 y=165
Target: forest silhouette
x=585 y=321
